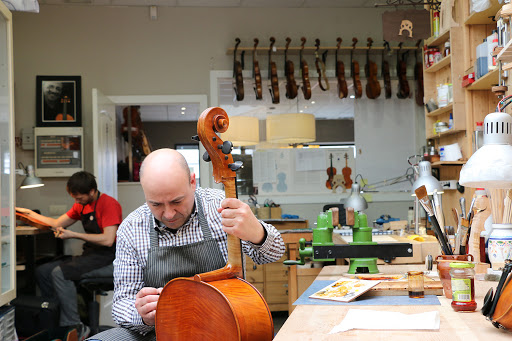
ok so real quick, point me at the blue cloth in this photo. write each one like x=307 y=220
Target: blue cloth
x=363 y=299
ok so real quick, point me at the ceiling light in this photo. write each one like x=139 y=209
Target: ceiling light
x=242 y=131
x=352 y=96
x=291 y=128
x=183 y=113
x=183 y=108
x=313 y=102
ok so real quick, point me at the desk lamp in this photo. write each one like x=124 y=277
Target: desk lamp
x=490 y=167
x=425 y=178
x=31 y=181
x=356 y=200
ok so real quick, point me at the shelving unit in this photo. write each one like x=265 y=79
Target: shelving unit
x=470 y=104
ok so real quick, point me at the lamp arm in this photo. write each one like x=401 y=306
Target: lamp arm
x=408 y=176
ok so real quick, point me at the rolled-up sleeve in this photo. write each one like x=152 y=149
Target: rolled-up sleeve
x=270 y=251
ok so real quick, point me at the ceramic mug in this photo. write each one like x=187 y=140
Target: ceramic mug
x=500 y=245
x=443 y=269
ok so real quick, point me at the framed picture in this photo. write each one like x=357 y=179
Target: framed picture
x=58 y=101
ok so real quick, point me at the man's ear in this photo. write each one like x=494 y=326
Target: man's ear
x=193 y=179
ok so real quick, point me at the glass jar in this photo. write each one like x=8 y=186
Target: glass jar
x=447 y=49
x=463 y=286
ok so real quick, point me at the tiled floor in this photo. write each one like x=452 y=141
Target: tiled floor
x=279 y=318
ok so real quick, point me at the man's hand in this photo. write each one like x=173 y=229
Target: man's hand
x=145 y=303
x=62 y=233
x=22 y=210
x=238 y=220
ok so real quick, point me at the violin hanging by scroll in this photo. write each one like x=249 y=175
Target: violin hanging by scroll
x=238 y=79
x=354 y=71
x=291 y=85
x=272 y=74
x=320 y=67
x=401 y=71
x=385 y=71
x=372 y=85
x=418 y=76
x=340 y=73
x=256 y=75
x=304 y=71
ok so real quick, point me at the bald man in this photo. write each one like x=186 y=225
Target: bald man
x=180 y=231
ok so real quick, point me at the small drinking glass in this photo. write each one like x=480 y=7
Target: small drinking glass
x=416 y=286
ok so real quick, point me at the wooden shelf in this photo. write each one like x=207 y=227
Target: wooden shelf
x=444 y=133
x=440 y=64
x=440 y=111
x=505 y=54
x=484 y=17
x=449 y=163
x=485 y=82
x=436 y=41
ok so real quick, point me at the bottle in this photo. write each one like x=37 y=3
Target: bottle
x=481 y=59
x=478 y=136
x=492 y=43
x=447 y=49
x=410 y=217
x=463 y=286
x=435 y=24
x=450 y=121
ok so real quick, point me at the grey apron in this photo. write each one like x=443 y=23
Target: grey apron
x=169 y=262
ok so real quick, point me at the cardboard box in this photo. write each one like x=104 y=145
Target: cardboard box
x=276 y=212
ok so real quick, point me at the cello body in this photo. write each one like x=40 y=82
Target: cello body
x=232 y=307
x=220 y=304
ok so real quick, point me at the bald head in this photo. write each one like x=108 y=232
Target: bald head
x=164 y=161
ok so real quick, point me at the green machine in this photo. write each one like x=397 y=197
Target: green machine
x=362 y=251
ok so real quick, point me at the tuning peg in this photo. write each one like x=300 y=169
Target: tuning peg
x=206 y=157
x=226 y=147
x=236 y=166
x=195 y=138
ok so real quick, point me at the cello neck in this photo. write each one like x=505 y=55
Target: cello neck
x=235 y=257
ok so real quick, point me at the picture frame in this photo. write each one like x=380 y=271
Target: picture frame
x=58 y=101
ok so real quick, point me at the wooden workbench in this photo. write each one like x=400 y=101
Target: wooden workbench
x=314 y=322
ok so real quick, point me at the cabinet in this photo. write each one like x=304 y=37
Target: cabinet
x=470 y=104
x=7 y=181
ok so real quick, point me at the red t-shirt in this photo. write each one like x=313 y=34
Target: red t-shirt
x=108 y=211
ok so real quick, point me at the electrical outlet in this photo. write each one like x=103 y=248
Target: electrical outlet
x=27 y=138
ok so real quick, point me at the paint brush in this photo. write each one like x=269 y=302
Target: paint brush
x=422 y=195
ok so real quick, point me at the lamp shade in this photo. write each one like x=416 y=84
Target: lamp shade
x=242 y=131
x=491 y=165
x=31 y=181
x=426 y=179
x=291 y=128
x=356 y=200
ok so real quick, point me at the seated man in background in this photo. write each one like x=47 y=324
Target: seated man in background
x=100 y=215
x=152 y=242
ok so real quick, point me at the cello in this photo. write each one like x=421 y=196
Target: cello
x=354 y=71
x=306 y=86
x=320 y=67
x=256 y=75
x=217 y=305
x=385 y=72
x=238 y=79
x=272 y=74
x=372 y=85
x=291 y=85
x=340 y=73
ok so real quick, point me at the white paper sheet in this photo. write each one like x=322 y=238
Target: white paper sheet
x=387 y=320
x=310 y=160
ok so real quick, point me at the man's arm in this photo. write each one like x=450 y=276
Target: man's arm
x=106 y=238
x=63 y=221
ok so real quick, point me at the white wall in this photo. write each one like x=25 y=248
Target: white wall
x=121 y=52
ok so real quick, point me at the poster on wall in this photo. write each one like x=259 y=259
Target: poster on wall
x=58 y=101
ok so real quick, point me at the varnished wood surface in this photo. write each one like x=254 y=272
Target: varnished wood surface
x=314 y=322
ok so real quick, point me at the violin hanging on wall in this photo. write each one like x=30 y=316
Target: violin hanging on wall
x=291 y=85
x=370 y=70
x=238 y=79
x=340 y=74
x=331 y=172
x=272 y=74
x=306 y=86
x=256 y=75
x=320 y=67
x=385 y=71
x=217 y=305
x=401 y=71
x=418 y=76
x=354 y=71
